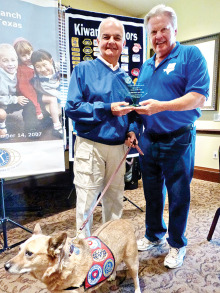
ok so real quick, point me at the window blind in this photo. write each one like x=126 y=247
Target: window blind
x=62 y=54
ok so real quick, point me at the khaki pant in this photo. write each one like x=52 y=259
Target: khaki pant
x=94 y=164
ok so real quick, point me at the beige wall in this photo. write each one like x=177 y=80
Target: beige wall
x=93 y=5
x=196 y=18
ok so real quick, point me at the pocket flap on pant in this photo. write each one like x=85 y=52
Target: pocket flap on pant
x=83 y=154
x=83 y=162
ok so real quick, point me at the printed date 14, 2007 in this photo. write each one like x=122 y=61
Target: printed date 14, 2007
x=30 y=134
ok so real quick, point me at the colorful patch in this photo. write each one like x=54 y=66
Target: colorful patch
x=124 y=67
x=125 y=51
x=136 y=58
x=87 y=42
x=75 y=53
x=94 y=275
x=75 y=49
x=75 y=62
x=108 y=268
x=87 y=58
x=99 y=255
x=96 y=49
x=95 y=43
x=124 y=58
x=103 y=262
x=76 y=58
x=134 y=82
x=138 y=45
x=87 y=50
x=96 y=54
x=75 y=42
x=135 y=49
x=94 y=243
x=135 y=71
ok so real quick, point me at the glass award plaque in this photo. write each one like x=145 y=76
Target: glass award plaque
x=133 y=91
x=136 y=91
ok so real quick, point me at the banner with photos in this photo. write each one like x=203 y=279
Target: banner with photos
x=31 y=133
x=81 y=36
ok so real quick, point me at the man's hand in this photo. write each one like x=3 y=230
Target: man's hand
x=22 y=100
x=121 y=108
x=189 y=101
x=131 y=138
x=149 y=107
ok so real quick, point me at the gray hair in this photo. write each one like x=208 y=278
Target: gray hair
x=162 y=9
x=113 y=19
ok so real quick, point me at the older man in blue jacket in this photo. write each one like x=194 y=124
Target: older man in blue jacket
x=98 y=105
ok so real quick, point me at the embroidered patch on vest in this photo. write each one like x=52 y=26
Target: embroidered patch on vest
x=103 y=262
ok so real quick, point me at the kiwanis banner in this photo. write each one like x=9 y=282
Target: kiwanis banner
x=81 y=35
x=31 y=134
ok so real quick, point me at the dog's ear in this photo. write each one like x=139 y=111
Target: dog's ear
x=56 y=244
x=37 y=229
x=55 y=250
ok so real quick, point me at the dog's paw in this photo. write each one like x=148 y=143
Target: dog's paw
x=49 y=272
x=114 y=288
x=112 y=277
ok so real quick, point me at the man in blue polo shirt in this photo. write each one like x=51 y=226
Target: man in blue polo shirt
x=176 y=83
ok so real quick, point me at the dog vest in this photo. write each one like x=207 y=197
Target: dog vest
x=103 y=262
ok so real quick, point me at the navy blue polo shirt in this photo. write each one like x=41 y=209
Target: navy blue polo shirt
x=184 y=70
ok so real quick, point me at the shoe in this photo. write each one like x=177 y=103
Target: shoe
x=174 y=258
x=145 y=244
x=131 y=185
x=58 y=132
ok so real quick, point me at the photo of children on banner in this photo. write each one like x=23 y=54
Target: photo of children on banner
x=25 y=73
x=47 y=83
x=29 y=81
x=10 y=101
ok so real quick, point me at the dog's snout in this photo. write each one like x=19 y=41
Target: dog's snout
x=7 y=266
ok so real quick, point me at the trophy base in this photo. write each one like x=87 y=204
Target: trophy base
x=135 y=100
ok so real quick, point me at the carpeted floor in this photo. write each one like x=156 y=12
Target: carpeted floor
x=200 y=272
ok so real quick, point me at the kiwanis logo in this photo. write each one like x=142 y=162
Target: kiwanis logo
x=4 y=157
x=9 y=157
x=128 y=80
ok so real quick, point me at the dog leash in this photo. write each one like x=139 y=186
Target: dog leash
x=109 y=182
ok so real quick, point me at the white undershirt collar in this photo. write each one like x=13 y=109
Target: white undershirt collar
x=113 y=68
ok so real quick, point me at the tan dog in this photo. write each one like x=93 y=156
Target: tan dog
x=60 y=262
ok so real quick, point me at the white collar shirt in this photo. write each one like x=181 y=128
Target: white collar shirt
x=113 y=68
